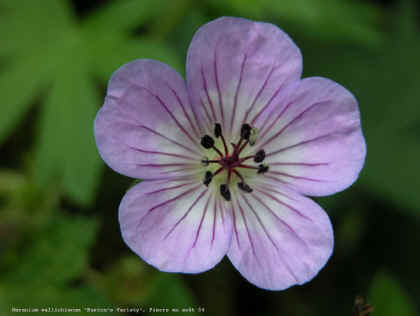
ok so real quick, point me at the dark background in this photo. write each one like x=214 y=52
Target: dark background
x=60 y=243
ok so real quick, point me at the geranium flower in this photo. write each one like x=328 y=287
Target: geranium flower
x=228 y=156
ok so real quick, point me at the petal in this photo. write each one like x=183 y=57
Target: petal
x=236 y=66
x=280 y=238
x=146 y=122
x=312 y=137
x=175 y=226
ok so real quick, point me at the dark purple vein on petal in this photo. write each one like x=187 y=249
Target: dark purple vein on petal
x=280 y=252
x=208 y=95
x=186 y=213
x=161 y=153
x=222 y=212
x=169 y=188
x=197 y=234
x=276 y=179
x=209 y=120
x=198 y=231
x=270 y=189
x=160 y=101
x=139 y=125
x=163 y=165
x=267 y=104
x=288 y=175
x=251 y=241
x=235 y=229
x=293 y=121
x=184 y=111
x=257 y=96
x=267 y=127
x=213 y=234
x=289 y=228
x=173 y=172
x=170 y=140
x=235 y=102
x=305 y=142
x=291 y=208
x=157 y=206
x=218 y=89
x=303 y=164
x=187 y=171
x=171 y=178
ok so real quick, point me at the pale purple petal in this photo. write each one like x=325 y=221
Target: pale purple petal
x=312 y=137
x=146 y=127
x=236 y=66
x=175 y=226
x=280 y=238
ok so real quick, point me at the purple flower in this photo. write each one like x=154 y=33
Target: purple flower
x=228 y=156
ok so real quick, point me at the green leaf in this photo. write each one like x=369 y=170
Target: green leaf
x=50 y=297
x=128 y=281
x=124 y=14
x=66 y=148
x=171 y=292
x=401 y=63
x=19 y=88
x=46 y=270
x=328 y=19
x=59 y=254
x=388 y=297
x=389 y=168
x=27 y=24
x=65 y=55
x=116 y=51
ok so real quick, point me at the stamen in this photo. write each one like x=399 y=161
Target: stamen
x=217 y=130
x=247 y=166
x=244 y=187
x=242 y=147
x=259 y=156
x=263 y=168
x=229 y=176
x=205 y=161
x=218 y=171
x=239 y=175
x=224 y=191
x=246 y=131
x=253 y=137
x=207 y=178
x=214 y=161
x=207 y=141
x=217 y=133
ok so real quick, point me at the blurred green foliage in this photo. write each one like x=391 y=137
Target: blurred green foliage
x=59 y=237
x=389 y=298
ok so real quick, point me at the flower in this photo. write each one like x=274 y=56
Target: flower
x=228 y=156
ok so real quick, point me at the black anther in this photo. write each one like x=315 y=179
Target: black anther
x=207 y=178
x=207 y=141
x=262 y=168
x=246 y=131
x=244 y=187
x=217 y=130
x=259 y=156
x=224 y=191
